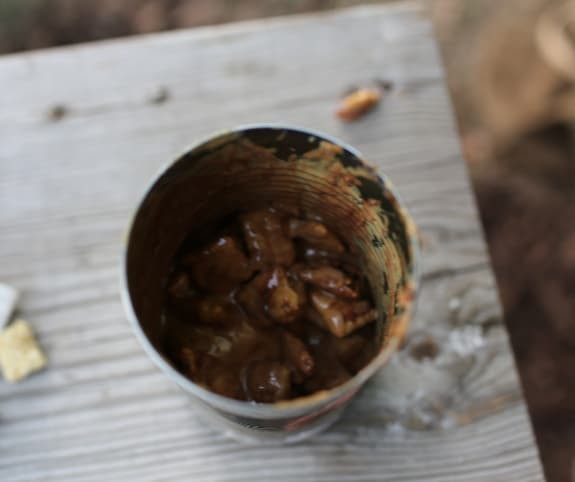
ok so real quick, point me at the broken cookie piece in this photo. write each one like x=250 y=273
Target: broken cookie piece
x=20 y=354
x=358 y=103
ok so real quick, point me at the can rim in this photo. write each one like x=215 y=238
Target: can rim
x=288 y=408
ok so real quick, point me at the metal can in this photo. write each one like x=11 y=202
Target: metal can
x=245 y=168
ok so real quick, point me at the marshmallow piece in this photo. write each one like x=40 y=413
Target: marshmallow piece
x=20 y=354
x=8 y=300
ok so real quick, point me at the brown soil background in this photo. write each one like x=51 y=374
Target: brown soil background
x=516 y=118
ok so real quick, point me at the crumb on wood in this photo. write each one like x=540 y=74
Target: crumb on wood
x=482 y=408
x=8 y=301
x=350 y=90
x=454 y=304
x=160 y=96
x=358 y=103
x=424 y=349
x=57 y=112
x=384 y=84
x=20 y=354
x=425 y=242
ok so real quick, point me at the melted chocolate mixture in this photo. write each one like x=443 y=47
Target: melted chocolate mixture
x=270 y=307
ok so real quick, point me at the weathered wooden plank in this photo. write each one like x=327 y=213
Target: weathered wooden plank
x=67 y=188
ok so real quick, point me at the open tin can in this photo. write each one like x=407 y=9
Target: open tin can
x=251 y=167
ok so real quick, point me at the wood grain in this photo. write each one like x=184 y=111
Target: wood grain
x=84 y=129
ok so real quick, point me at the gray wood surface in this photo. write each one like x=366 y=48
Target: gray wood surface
x=83 y=130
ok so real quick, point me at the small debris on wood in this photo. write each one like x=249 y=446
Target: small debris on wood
x=8 y=300
x=349 y=90
x=454 y=304
x=358 y=103
x=482 y=408
x=57 y=112
x=384 y=84
x=424 y=348
x=425 y=241
x=20 y=354
x=160 y=96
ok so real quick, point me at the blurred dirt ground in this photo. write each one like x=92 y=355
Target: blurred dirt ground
x=511 y=73
x=30 y=24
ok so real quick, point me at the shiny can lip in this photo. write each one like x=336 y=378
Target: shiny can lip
x=293 y=419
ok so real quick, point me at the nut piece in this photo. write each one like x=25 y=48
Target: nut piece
x=298 y=355
x=267 y=381
x=284 y=304
x=315 y=234
x=329 y=279
x=265 y=238
x=219 y=266
x=358 y=103
x=179 y=287
x=20 y=354
x=339 y=316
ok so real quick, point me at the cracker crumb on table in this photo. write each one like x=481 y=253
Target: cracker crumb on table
x=20 y=354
